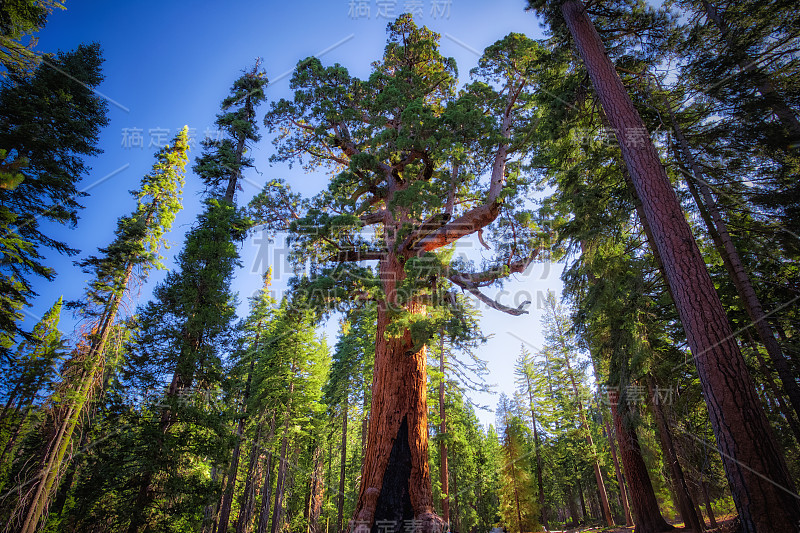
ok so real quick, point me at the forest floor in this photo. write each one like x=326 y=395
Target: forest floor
x=727 y=524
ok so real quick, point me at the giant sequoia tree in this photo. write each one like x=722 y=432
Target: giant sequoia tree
x=416 y=165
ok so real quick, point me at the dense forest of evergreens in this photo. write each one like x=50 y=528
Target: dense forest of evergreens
x=653 y=150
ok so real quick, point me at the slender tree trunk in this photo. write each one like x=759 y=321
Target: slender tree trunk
x=69 y=478
x=754 y=464
x=573 y=511
x=317 y=491
x=227 y=499
x=787 y=413
x=685 y=504
x=179 y=383
x=623 y=495
x=443 y=469
x=249 y=494
x=516 y=494
x=646 y=513
x=12 y=439
x=395 y=479
x=538 y=454
x=233 y=180
x=280 y=487
x=332 y=493
x=598 y=475
x=343 y=466
x=712 y=521
x=763 y=84
x=718 y=230
x=456 y=513
x=580 y=494
x=209 y=511
x=54 y=459
x=266 y=488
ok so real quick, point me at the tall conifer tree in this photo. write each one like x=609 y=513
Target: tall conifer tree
x=134 y=252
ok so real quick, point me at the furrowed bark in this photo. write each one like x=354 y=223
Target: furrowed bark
x=755 y=466
x=395 y=477
x=316 y=495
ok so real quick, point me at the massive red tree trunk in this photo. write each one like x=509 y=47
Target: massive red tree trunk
x=395 y=477
x=754 y=465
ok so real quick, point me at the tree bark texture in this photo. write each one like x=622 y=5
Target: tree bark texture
x=395 y=477
x=317 y=492
x=754 y=465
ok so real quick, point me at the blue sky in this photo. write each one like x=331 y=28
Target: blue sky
x=170 y=63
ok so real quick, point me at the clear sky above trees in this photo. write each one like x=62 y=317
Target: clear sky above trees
x=168 y=65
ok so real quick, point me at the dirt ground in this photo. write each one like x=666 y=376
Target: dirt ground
x=728 y=524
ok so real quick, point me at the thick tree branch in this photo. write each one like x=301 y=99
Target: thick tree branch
x=372 y=218
x=482 y=215
x=481 y=279
x=432 y=224
x=494 y=304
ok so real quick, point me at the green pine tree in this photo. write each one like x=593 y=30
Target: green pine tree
x=50 y=126
x=139 y=238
